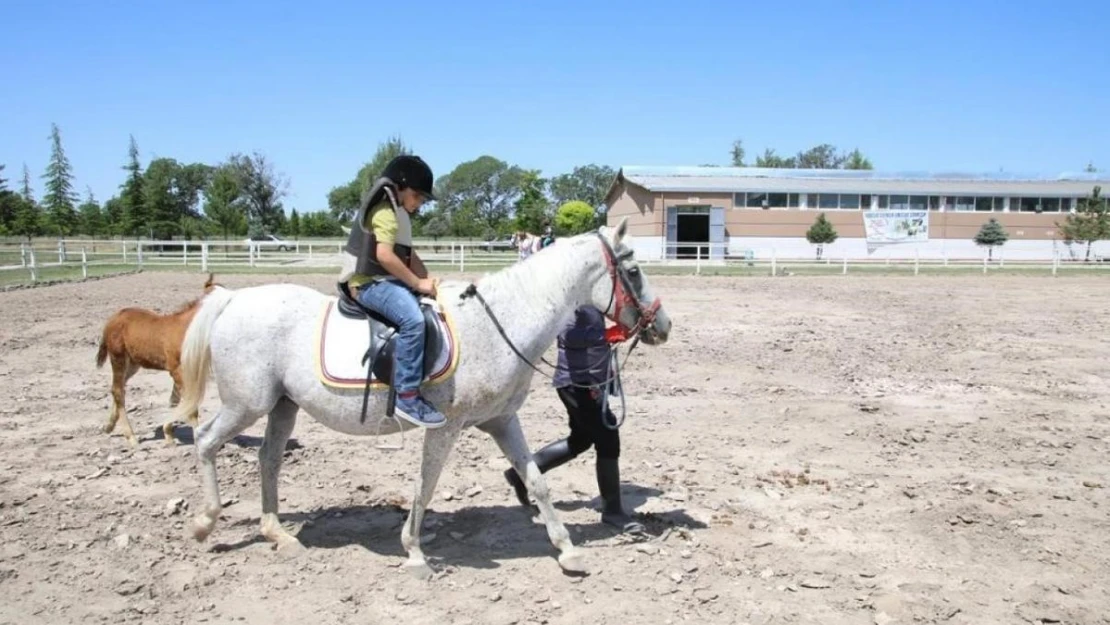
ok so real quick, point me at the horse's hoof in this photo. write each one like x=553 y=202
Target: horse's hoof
x=573 y=562
x=202 y=526
x=419 y=569
x=290 y=548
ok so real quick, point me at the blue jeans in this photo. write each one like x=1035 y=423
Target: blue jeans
x=393 y=300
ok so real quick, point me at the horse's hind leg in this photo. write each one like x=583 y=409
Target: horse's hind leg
x=122 y=370
x=278 y=430
x=437 y=446
x=210 y=437
x=509 y=437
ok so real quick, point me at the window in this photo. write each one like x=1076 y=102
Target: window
x=865 y=202
x=827 y=201
x=964 y=204
x=934 y=202
x=984 y=204
x=918 y=202
x=899 y=202
x=756 y=200
x=1050 y=204
x=849 y=202
x=783 y=200
x=1028 y=204
x=884 y=202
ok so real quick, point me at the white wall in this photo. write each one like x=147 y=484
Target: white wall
x=953 y=249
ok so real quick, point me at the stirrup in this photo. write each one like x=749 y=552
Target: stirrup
x=400 y=430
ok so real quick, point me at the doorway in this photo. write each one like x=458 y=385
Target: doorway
x=690 y=228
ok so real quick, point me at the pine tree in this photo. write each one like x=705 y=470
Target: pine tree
x=991 y=234
x=821 y=233
x=60 y=199
x=134 y=218
x=91 y=217
x=1089 y=223
x=26 y=191
x=293 y=226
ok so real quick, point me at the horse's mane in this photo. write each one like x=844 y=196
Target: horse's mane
x=208 y=286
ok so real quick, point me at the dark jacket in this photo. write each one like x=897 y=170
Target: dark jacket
x=583 y=351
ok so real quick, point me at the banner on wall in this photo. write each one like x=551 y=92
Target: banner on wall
x=888 y=227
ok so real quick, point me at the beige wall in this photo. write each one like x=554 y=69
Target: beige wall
x=849 y=224
x=647 y=217
x=642 y=207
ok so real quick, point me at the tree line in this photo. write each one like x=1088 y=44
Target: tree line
x=488 y=198
x=244 y=196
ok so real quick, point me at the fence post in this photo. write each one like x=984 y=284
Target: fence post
x=185 y=252
x=845 y=272
x=61 y=251
x=123 y=244
x=204 y=257
x=250 y=255
x=945 y=257
x=916 y=257
x=22 y=254
x=310 y=251
x=1001 y=258
x=697 y=266
x=984 y=264
x=462 y=258
x=84 y=264
x=1055 y=262
x=34 y=272
x=774 y=262
x=139 y=252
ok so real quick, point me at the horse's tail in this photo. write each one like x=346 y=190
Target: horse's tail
x=102 y=352
x=196 y=354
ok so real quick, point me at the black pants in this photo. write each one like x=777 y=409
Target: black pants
x=586 y=426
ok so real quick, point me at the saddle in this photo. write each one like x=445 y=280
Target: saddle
x=378 y=358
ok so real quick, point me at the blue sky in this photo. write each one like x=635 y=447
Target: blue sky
x=970 y=85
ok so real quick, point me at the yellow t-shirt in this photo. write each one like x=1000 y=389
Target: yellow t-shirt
x=382 y=221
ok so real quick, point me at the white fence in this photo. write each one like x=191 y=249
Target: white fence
x=61 y=260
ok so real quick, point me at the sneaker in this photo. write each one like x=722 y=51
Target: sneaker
x=419 y=412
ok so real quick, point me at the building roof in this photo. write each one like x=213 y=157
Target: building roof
x=773 y=180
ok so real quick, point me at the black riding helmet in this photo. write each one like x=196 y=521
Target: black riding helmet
x=408 y=171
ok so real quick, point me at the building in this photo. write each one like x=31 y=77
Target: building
x=679 y=212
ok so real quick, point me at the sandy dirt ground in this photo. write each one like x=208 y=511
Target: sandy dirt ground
x=804 y=450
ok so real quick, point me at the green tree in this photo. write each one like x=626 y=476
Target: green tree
x=293 y=226
x=587 y=183
x=60 y=199
x=320 y=224
x=25 y=189
x=8 y=201
x=737 y=153
x=90 y=216
x=1090 y=168
x=856 y=160
x=574 y=218
x=991 y=234
x=112 y=216
x=159 y=202
x=222 y=202
x=438 y=225
x=821 y=233
x=1089 y=223
x=532 y=205
x=772 y=160
x=132 y=217
x=261 y=189
x=344 y=200
x=487 y=186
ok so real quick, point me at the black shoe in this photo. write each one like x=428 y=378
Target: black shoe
x=554 y=455
x=609 y=484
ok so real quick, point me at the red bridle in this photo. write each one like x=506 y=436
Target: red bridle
x=622 y=297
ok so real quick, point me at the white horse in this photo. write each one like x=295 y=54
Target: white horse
x=259 y=344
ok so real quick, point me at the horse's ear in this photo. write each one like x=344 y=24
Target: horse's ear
x=620 y=231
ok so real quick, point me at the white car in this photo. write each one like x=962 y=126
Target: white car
x=269 y=241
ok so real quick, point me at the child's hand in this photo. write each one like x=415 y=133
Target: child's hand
x=426 y=286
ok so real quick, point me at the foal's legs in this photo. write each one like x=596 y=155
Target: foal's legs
x=506 y=432
x=210 y=437
x=175 y=398
x=278 y=430
x=437 y=446
x=122 y=370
